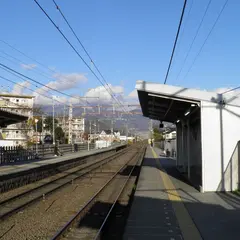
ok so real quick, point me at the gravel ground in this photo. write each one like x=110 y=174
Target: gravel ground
x=43 y=219
x=17 y=191
x=91 y=223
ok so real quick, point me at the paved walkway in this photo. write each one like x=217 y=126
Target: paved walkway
x=9 y=169
x=165 y=206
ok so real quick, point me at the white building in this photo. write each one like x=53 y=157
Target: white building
x=108 y=136
x=208 y=131
x=170 y=135
x=78 y=127
x=17 y=133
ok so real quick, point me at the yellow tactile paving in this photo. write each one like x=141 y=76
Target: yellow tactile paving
x=186 y=224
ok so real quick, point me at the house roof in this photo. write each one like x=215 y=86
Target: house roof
x=17 y=96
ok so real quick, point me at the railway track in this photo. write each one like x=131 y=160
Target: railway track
x=18 y=202
x=91 y=220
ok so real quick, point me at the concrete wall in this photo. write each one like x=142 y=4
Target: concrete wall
x=195 y=148
x=180 y=159
x=220 y=134
x=231 y=174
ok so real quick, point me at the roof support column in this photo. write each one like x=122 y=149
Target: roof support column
x=182 y=147
x=179 y=149
x=188 y=148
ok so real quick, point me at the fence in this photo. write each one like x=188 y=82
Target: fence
x=18 y=154
x=15 y=154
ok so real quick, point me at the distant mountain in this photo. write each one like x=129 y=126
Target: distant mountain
x=136 y=121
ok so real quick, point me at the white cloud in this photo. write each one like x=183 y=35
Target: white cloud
x=63 y=82
x=103 y=94
x=20 y=87
x=28 y=66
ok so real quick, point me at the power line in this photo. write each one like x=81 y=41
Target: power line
x=183 y=29
x=17 y=60
x=6 y=79
x=176 y=39
x=14 y=73
x=190 y=48
x=79 y=41
x=230 y=90
x=38 y=62
x=200 y=50
x=33 y=80
x=79 y=55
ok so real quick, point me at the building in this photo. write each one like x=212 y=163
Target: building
x=208 y=131
x=107 y=135
x=169 y=143
x=169 y=135
x=78 y=128
x=20 y=132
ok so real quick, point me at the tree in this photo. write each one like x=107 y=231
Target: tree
x=157 y=135
x=59 y=134
x=48 y=121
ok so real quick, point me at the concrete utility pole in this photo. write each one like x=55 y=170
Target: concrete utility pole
x=70 y=125
x=36 y=121
x=98 y=126
x=42 y=129
x=90 y=127
x=53 y=122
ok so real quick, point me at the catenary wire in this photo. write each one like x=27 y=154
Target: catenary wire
x=210 y=32
x=196 y=34
x=176 y=39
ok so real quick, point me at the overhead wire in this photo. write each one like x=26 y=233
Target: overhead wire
x=183 y=29
x=41 y=64
x=33 y=80
x=210 y=32
x=9 y=80
x=16 y=74
x=176 y=39
x=16 y=59
x=79 y=41
x=75 y=50
x=196 y=34
x=231 y=90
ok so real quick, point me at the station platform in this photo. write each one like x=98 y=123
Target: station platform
x=18 y=167
x=166 y=206
x=19 y=174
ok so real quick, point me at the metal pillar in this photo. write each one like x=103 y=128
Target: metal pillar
x=188 y=147
x=182 y=146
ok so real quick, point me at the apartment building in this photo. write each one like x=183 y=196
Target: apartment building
x=18 y=133
x=77 y=128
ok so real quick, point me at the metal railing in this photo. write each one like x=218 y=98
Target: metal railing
x=14 y=154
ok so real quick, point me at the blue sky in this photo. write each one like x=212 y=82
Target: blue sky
x=128 y=40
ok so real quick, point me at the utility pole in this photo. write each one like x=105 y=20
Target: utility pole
x=113 y=110
x=70 y=125
x=42 y=129
x=53 y=122
x=98 y=126
x=127 y=130
x=90 y=127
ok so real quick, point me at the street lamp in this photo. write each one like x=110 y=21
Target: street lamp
x=36 y=121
